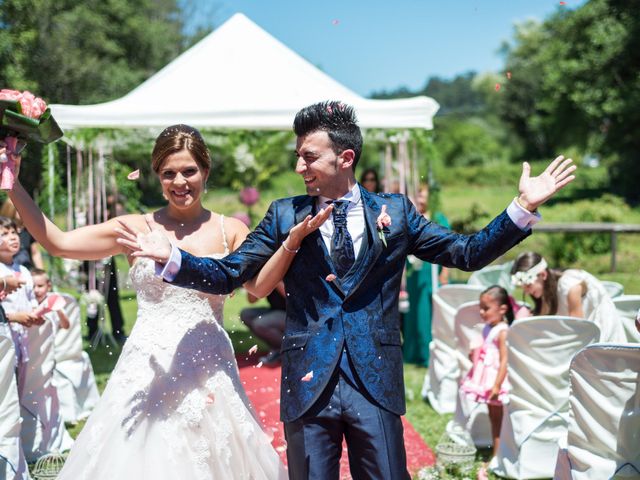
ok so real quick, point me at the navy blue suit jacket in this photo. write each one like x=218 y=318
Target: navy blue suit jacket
x=360 y=309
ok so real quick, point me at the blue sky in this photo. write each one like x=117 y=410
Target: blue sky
x=379 y=44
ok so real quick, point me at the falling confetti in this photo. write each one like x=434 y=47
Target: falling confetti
x=253 y=349
x=508 y=75
x=307 y=377
x=210 y=399
x=134 y=175
x=337 y=22
x=563 y=3
x=259 y=365
x=330 y=278
x=497 y=87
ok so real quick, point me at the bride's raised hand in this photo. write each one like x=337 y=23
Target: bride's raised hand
x=7 y=154
x=154 y=244
x=305 y=227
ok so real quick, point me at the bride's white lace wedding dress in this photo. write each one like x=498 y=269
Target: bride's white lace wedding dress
x=174 y=407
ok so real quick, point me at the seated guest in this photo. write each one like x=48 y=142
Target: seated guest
x=573 y=293
x=267 y=323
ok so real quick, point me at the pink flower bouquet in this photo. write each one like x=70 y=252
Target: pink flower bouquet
x=23 y=118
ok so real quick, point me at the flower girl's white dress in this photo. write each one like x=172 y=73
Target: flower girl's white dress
x=174 y=407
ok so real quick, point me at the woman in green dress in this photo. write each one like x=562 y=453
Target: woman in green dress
x=420 y=278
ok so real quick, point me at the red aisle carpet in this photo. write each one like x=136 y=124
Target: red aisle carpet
x=263 y=388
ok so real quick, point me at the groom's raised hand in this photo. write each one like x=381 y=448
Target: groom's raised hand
x=154 y=244
x=534 y=191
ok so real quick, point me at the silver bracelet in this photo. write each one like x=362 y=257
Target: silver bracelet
x=288 y=249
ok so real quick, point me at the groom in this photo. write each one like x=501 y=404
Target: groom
x=342 y=373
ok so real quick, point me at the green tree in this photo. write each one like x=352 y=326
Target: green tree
x=86 y=52
x=575 y=82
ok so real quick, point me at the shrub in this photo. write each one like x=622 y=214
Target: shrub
x=567 y=248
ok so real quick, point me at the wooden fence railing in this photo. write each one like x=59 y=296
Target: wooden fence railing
x=592 y=227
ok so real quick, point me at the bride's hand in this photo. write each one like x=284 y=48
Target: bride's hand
x=154 y=244
x=305 y=227
x=5 y=153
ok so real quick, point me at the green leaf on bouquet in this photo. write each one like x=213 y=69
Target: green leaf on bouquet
x=13 y=123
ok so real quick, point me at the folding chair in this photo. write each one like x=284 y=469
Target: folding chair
x=627 y=307
x=441 y=382
x=12 y=461
x=614 y=289
x=73 y=376
x=604 y=418
x=472 y=416
x=493 y=275
x=540 y=350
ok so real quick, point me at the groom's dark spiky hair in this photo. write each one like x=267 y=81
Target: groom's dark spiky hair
x=337 y=119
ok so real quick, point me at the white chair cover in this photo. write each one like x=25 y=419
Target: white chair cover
x=614 y=289
x=12 y=462
x=627 y=307
x=68 y=342
x=73 y=376
x=472 y=416
x=493 y=275
x=604 y=422
x=441 y=381
x=540 y=350
x=43 y=429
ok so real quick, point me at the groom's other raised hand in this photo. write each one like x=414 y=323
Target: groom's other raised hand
x=154 y=244
x=534 y=191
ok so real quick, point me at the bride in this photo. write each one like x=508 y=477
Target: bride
x=174 y=406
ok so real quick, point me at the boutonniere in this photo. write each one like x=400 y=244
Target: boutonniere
x=383 y=221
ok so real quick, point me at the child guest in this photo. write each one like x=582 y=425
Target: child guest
x=487 y=381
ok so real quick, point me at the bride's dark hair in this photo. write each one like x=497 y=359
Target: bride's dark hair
x=176 y=138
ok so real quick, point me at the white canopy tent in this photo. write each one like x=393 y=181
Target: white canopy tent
x=239 y=77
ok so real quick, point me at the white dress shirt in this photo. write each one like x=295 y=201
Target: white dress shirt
x=355 y=219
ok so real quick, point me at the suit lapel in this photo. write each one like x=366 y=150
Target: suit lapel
x=315 y=239
x=370 y=251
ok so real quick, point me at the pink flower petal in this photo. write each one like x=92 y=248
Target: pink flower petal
x=330 y=278
x=497 y=87
x=253 y=349
x=134 y=175
x=259 y=365
x=307 y=377
x=335 y=21
x=210 y=398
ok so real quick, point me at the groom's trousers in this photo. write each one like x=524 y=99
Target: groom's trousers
x=374 y=436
